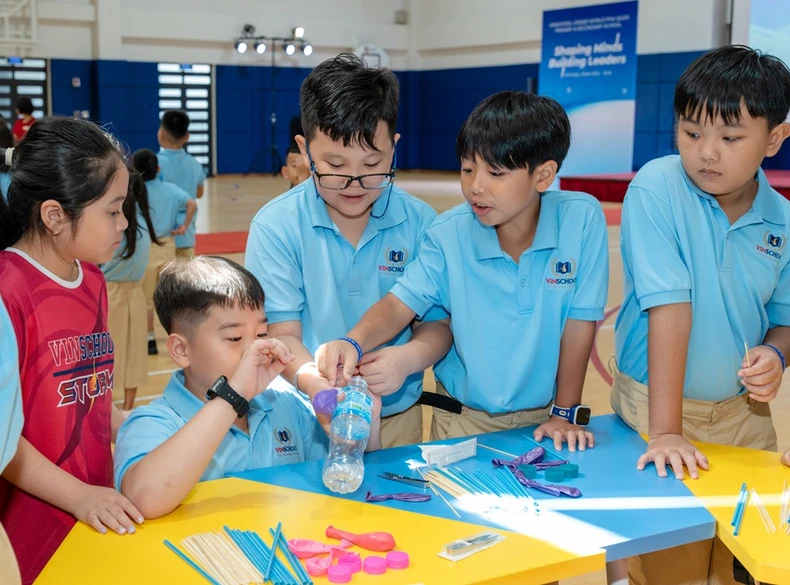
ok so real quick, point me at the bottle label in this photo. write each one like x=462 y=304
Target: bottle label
x=357 y=404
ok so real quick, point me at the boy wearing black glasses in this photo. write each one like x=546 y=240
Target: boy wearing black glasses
x=331 y=247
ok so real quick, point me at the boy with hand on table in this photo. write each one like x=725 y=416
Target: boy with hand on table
x=216 y=415
x=523 y=273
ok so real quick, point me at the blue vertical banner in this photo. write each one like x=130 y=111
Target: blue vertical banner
x=588 y=64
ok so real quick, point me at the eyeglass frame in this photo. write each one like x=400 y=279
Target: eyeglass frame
x=351 y=178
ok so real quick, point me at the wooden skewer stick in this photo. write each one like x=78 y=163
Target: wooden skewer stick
x=479 y=444
x=433 y=489
x=748 y=361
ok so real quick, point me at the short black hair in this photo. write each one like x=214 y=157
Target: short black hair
x=146 y=163
x=346 y=100
x=175 y=123
x=718 y=82
x=293 y=148
x=188 y=289
x=24 y=106
x=515 y=130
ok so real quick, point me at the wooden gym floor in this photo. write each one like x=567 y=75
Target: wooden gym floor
x=230 y=202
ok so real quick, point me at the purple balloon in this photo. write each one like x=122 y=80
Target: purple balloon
x=532 y=457
x=552 y=490
x=325 y=401
x=402 y=497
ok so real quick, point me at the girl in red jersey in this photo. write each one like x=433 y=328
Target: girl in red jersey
x=68 y=185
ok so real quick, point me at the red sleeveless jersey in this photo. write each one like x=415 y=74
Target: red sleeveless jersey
x=66 y=368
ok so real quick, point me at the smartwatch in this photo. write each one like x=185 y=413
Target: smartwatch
x=221 y=389
x=577 y=415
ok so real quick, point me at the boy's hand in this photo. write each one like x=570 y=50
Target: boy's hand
x=384 y=370
x=763 y=378
x=786 y=458
x=179 y=231
x=331 y=356
x=311 y=382
x=562 y=431
x=675 y=450
x=261 y=363
x=103 y=508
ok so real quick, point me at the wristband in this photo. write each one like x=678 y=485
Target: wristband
x=303 y=367
x=359 y=349
x=779 y=353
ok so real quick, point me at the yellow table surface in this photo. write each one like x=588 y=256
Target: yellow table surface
x=87 y=557
x=765 y=556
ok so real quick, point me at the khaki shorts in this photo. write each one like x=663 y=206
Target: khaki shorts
x=448 y=425
x=185 y=252
x=9 y=569
x=739 y=422
x=128 y=329
x=404 y=428
x=159 y=256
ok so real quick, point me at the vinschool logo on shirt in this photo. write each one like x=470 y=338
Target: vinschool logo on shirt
x=774 y=244
x=395 y=260
x=564 y=271
x=283 y=437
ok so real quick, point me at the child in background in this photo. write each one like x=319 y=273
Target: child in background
x=70 y=182
x=295 y=170
x=24 y=111
x=6 y=141
x=124 y=275
x=171 y=211
x=179 y=167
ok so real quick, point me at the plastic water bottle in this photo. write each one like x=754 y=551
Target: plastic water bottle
x=349 y=434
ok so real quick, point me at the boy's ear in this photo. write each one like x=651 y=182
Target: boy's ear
x=545 y=175
x=395 y=139
x=301 y=141
x=777 y=137
x=178 y=348
x=185 y=139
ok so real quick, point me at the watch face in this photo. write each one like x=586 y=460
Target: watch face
x=583 y=414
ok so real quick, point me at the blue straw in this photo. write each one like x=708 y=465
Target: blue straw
x=456 y=477
x=190 y=562
x=739 y=518
x=282 y=574
x=473 y=481
x=294 y=562
x=492 y=485
x=741 y=498
x=252 y=555
x=274 y=549
x=506 y=477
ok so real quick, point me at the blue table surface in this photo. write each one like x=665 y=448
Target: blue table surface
x=622 y=510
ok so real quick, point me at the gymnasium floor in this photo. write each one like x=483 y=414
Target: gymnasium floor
x=230 y=202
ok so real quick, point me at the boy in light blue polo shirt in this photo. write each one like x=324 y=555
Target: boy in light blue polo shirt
x=704 y=245
x=11 y=420
x=522 y=271
x=332 y=246
x=171 y=212
x=212 y=309
x=179 y=167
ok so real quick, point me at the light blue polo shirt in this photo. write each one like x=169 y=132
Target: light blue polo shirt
x=508 y=318
x=130 y=269
x=311 y=273
x=179 y=167
x=165 y=201
x=678 y=246
x=283 y=430
x=11 y=417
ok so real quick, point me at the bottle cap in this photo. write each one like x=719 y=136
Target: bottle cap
x=397 y=559
x=339 y=574
x=374 y=565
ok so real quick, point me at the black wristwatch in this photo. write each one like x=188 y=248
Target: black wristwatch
x=222 y=389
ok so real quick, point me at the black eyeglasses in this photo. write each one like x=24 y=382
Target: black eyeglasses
x=340 y=182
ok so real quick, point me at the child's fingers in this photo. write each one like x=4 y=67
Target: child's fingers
x=558 y=440
x=94 y=522
x=660 y=461
x=590 y=439
x=131 y=510
x=643 y=460
x=122 y=518
x=581 y=438
x=538 y=434
x=676 y=462
x=702 y=461
x=690 y=460
x=110 y=522
x=764 y=378
x=369 y=357
x=572 y=438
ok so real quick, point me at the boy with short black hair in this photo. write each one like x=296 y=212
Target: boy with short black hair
x=705 y=273
x=216 y=415
x=330 y=248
